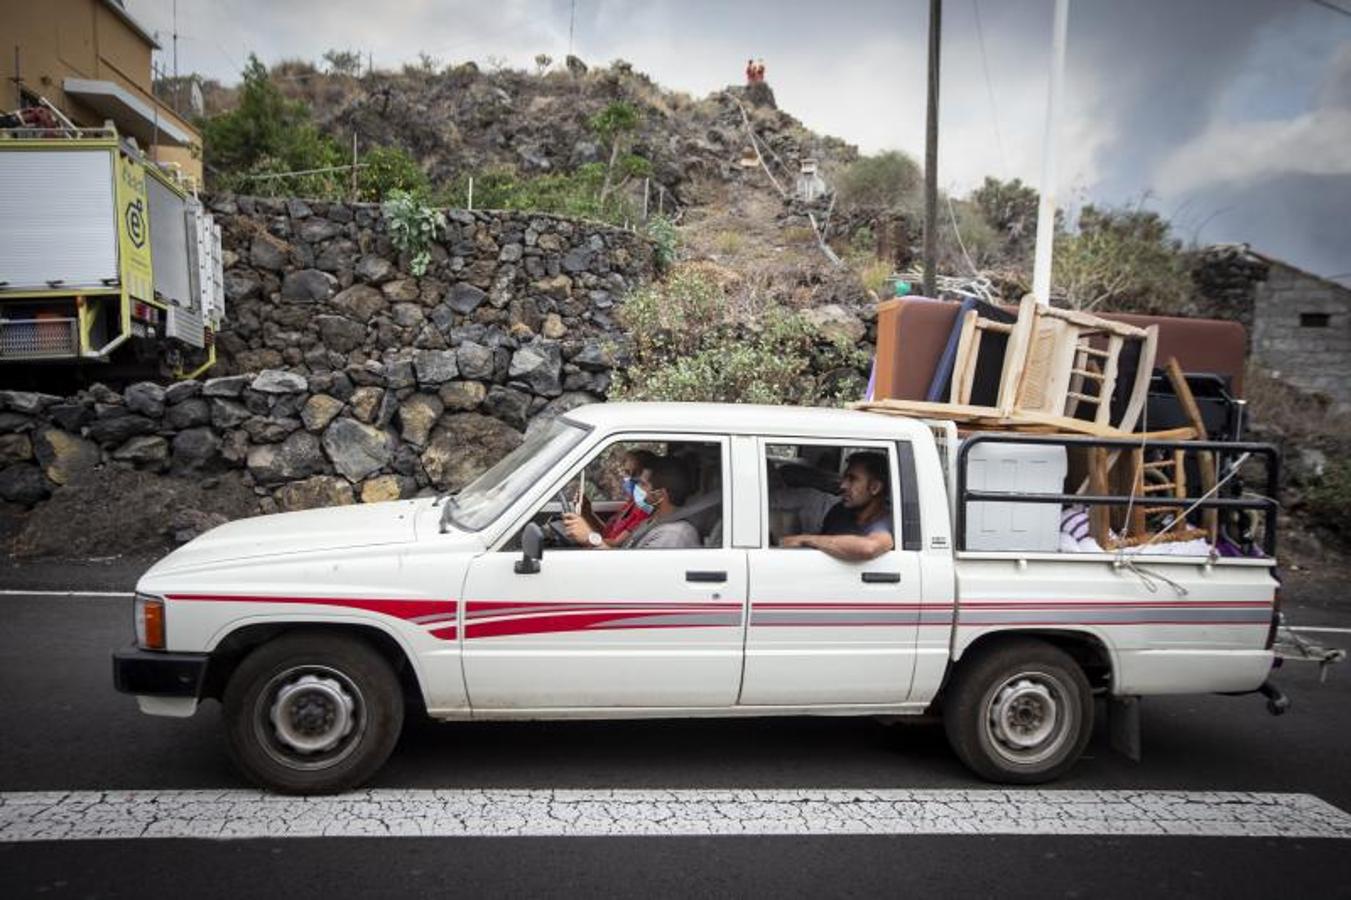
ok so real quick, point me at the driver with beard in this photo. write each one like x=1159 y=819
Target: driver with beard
x=661 y=490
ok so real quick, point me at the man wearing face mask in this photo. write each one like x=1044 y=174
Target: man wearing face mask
x=661 y=490
x=628 y=517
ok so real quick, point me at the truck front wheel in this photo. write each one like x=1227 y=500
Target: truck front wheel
x=312 y=714
x=1019 y=713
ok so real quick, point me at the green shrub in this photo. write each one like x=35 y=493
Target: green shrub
x=266 y=134
x=970 y=233
x=575 y=194
x=1010 y=208
x=663 y=233
x=1122 y=260
x=863 y=240
x=1329 y=500
x=889 y=180
x=412 y=227
x=688 y=347
x=388 y=169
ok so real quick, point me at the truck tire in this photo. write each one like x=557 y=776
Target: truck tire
x=1019 y=713
x=312 y=714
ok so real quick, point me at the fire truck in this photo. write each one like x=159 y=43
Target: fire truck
x=108 y=260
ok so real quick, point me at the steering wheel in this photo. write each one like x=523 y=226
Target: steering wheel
x=554 y=528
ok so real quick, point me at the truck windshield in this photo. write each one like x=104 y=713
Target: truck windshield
x=484 y=499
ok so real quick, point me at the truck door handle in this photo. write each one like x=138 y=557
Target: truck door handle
x=881 y=577
x=710 y=577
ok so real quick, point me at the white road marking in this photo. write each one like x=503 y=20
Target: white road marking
x=226 y=814
x=68 y=594
x=1319 y=628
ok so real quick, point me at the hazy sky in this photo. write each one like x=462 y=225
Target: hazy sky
x=1231 y=117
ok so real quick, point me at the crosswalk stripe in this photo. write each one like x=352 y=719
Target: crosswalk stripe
x=226 y=814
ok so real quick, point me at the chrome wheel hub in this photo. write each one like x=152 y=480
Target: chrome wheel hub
x=1024 y=714
x=1029 y=717
x=312 y=714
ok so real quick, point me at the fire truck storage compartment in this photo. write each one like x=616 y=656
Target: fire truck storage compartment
x=173 y=235
x=1024 y=468
x=58 y=220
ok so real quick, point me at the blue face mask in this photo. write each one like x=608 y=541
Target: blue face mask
x=629 y=484
x=640 y=500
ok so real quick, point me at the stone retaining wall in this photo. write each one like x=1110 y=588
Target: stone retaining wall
x=371 y=384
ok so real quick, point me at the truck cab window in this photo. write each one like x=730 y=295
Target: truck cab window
x=632 y=494
x=828 y=489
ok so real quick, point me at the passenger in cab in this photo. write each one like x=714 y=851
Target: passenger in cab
x=859 y=527
x=661 y=491
x=628 y=517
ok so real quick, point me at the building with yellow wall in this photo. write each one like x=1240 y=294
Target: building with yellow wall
x=91 y=60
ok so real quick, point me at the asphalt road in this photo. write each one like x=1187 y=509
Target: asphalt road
x=64 y=728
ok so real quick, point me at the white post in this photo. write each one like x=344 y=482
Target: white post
x=1041 y=268
x=647 y=187
x=471 y=192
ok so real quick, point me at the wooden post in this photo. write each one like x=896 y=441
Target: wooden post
x=354 y=166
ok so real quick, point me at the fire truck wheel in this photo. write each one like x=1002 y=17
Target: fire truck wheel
x=312 y=714
x=1019 y=713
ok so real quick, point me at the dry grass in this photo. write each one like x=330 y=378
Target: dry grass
x=728 y=243
x=798 y=235
x=873 y=272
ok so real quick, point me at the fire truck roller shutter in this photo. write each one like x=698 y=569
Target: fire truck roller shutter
x=58 y=221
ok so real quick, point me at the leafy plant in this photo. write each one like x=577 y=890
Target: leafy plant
x=542 y=63
x=614 y=124
x=343 y=62
x=663 y=233
x=863 y=240
x=888 y=180
x=412 y=227
x=689 y=345
x=388 y=169
x=1010 y=208
x=1329 y=499
x=1122 y=260
x=266 y=134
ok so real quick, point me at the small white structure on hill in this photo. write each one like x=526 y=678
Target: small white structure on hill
x=810 y=185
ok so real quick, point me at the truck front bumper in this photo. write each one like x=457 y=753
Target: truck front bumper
x=155 y=673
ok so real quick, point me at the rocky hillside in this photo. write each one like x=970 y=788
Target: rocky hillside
x=468 y=121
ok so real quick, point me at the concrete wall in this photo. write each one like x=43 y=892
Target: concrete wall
x=1289 y=337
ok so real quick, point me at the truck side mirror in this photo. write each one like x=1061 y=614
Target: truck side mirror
x=532 y=548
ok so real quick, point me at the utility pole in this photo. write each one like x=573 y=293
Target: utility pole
x=1041 y=266
x=572 y=22
x=931 y=154
x=176 y=85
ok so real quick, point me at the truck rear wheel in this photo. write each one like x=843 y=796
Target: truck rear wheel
x=312 y=714
x=1020 y=713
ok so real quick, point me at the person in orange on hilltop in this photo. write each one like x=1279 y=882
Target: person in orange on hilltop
x=759 y=71
x=750 y=71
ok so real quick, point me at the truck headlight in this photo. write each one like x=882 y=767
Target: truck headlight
x=148 y=619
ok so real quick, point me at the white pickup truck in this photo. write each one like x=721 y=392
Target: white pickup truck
x=316 y=630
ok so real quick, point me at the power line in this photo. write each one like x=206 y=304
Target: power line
x=989 y=89
x=1332 y=6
